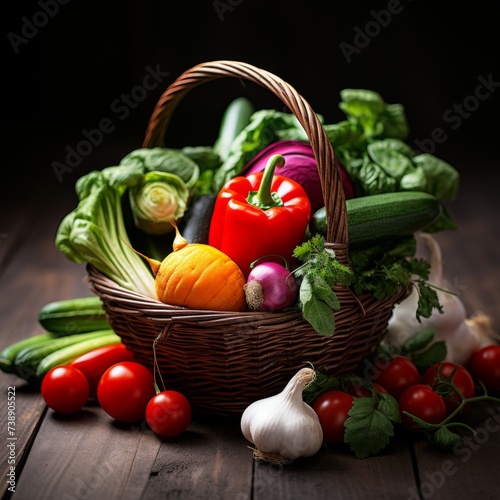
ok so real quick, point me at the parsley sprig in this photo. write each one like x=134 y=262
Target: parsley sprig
x=381 y=269
x=317 y=276
x=385 y=268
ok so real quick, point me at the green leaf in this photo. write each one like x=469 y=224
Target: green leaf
x=367 y=430
x=435 y=353
x=320 y=316
x=305 y=290
x=319 y=273
x=321 y=384
x=331 y=300
x=161 y=159
x=442 y=178
x=389 y=407
x=394 y=121
x=420 y=267
x=374 y=180
x=444 y=438
x=393 y=162
x=321 y=288
x=444 y=222
x=397 y=145
x=343 y=133
x=428 y=300
x=323 y=292
x=363 y=107
x=204 y=156
x=414 y=181
x=419 y=341
x=404 y=247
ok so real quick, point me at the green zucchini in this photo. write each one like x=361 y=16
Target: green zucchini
x=378 y=217
x=235 y=118
x=70 y=316
x=8 y=353
x=28 y=358
x=67 y=354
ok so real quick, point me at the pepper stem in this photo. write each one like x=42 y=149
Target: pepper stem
x=263 y=198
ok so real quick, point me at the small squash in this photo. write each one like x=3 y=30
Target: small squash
x=198 y=276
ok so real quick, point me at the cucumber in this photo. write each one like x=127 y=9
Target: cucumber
x=30 y=356
x=378 y=217
x=235 y=118
x=9 y=353
x=70 y=316
x=69 y=353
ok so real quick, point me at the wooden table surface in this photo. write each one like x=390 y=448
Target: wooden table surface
x=90 y=456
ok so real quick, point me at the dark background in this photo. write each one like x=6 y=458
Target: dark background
x=67 y=69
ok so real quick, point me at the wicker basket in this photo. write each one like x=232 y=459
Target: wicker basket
x=223 y=361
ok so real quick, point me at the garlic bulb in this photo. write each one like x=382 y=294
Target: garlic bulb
x=283 y=427
x=462 y=335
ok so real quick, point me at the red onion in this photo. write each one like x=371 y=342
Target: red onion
x=270 y=287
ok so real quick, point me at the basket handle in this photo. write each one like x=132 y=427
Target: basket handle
x=330 y=177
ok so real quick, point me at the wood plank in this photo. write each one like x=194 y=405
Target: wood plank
x=29 y=409
x=36 y=273
x=337 y=473
x=469 y=470
x=210 y=461
x=88 y=455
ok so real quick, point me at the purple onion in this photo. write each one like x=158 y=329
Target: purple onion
x=270 y=287
x=300 y=165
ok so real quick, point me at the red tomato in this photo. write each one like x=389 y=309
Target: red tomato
x=396 y=375
x=359 y=391
x=65 y=389
x=168 y=413
x=462 y=380
x=485 y=367
x=125 y=390
x=94 y=363
x=332 y=408
x=422 y=402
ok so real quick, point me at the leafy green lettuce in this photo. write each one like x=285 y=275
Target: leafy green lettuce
x=148 y=187
x=95 y=232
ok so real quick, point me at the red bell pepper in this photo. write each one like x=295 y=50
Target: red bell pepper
x=259 y=215
x=94 y=363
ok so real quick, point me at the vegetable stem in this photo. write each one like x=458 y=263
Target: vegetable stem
x=264 y=198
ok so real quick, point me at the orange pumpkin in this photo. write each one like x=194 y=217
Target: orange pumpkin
x=199 y=276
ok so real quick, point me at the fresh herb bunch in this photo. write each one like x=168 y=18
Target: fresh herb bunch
x=317 y=276
x=382 y=270
x=385 y=268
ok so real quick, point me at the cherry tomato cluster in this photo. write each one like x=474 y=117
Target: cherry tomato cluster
x=124 y=388
x=431 y=396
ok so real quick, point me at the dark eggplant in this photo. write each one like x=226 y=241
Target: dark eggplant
x=195 y=224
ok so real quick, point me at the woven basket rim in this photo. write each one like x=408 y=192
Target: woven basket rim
x=110 y=290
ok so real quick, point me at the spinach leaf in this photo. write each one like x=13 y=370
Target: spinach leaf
x=442 y=178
